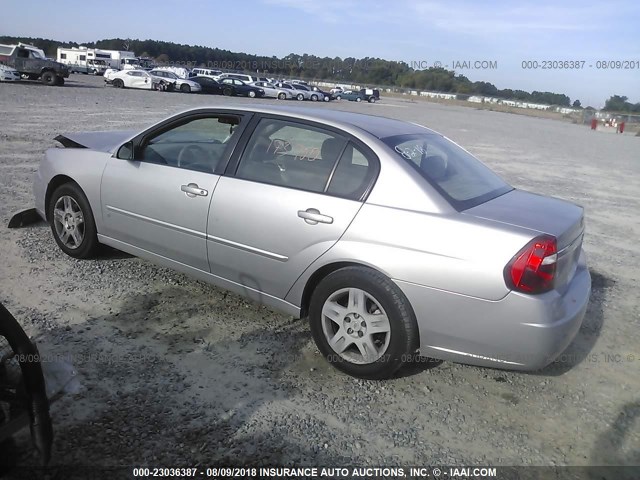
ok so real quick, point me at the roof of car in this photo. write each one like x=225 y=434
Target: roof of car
x=377 y=126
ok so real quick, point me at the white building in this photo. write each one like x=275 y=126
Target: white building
x=440 y=95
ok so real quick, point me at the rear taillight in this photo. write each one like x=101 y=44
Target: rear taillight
x=532 y=269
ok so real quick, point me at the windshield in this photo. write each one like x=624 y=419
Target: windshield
x=460 y=177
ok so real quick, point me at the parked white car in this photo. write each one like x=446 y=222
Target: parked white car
x=182 y=84
x=8 y=74
x=270 y=90
x=134 y=79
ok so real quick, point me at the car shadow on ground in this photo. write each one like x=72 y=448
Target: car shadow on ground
x=619 y=446
x=589 y=332
x=134 y=410
x=67 y=84
x=104 y=252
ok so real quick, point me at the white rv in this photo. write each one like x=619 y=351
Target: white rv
x=84 y=60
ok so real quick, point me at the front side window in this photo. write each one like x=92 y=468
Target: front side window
x=291 y=155
x=198 y=144
x=460 y=177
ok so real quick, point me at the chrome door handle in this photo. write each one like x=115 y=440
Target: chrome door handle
x=313 y=216
x=193 y=189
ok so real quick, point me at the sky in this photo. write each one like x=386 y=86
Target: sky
x=459 y=34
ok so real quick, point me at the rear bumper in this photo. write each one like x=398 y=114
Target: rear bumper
x=519 y=332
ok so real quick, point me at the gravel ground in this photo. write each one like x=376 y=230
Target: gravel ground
x=177 y=372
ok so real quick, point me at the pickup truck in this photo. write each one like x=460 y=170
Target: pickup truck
x=31 y=63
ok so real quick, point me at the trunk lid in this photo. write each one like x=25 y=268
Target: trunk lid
x=100 y=141
x=564 y=220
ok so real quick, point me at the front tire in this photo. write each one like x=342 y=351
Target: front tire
x=184 y=88
x=362 y=323
x=314 y=98
x=227 y=92
x=372 y=100
x=72 y=222
x=251 y=94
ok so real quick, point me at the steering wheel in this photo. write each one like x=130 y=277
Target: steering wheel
x=191 y=154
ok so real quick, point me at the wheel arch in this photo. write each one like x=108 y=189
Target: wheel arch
x=54 y=183
x=323 y=271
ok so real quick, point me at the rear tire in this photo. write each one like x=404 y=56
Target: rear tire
x=358 y=99
x=118 y=83
x=372 y=100
x=227 y=92
x=282 y=96
x=299 y=97
x=314 y=98
x=72 y=222
x=49 y=78
x=369 y=319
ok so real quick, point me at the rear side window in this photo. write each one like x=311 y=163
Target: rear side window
x=305 y=157
x=460 y=177
x=353 y=174
x=291 y=155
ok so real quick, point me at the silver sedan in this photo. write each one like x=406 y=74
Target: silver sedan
x=395 y=242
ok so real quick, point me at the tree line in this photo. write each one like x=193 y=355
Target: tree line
x=368 y=70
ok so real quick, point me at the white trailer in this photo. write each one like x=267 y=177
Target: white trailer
x=117 y=58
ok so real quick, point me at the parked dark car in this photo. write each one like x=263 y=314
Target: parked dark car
x=371 y=95
x=351 y=95
x=232 y=87
x=208 y=84
x=327 y=95
x=23 y=393
x=362 y=95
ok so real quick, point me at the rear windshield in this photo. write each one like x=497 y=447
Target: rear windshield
x=460 y=177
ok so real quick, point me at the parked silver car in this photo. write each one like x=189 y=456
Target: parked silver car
x=182 y=84
x=300 y=92
x=392 y=240
x=270 y=90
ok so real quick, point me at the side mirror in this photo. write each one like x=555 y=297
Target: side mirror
x=125 y=152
